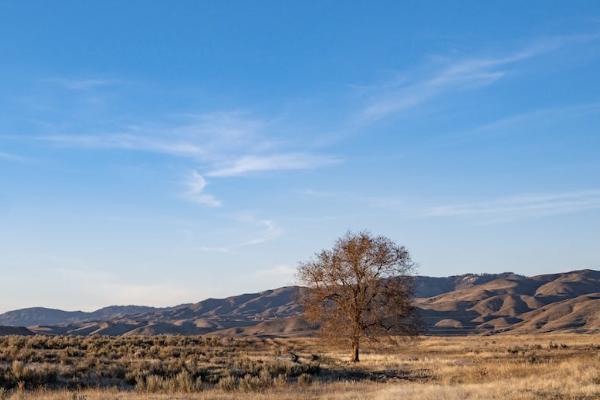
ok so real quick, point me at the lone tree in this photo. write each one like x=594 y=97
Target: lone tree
x=361 y=288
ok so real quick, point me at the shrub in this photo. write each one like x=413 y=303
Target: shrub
x=18 y=370
x=280 y=381
x=304 y=379
x=183 y=382
x=533 y=359
x=228 y=383
x=154 y=384
x=250 y=383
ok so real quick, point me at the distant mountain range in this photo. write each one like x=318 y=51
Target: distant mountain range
x=50 y=316
x=462 y=304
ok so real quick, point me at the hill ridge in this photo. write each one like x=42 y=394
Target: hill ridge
x=459 y=304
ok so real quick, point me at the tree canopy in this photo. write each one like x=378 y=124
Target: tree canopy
x=360 y=288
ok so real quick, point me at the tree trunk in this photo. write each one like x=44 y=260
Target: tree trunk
x=355 y=350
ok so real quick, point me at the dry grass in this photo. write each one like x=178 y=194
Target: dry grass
x=491 y=367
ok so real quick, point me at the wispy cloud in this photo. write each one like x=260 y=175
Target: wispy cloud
x=128 y=141
x=373 y=201
x=499 y=209
x=228 y=143
x=195 y=191
x=468 y=73
x=547 y=116
x=12 y=157
x=462 y=74
x=83 y=83
x=219 y=144
x=270 y=230
x=267 y=230
x=206 y=136
x=274 y=162
x=519 y=206
x=543 y=120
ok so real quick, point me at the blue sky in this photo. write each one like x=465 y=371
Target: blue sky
x=160 y=153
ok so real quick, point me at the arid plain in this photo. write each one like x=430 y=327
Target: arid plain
x=547 y=366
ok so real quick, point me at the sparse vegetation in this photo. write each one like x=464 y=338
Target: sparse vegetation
x=147 y=364
x=162 y=367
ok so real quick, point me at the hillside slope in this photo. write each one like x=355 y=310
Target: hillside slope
x=464 y=304
x=50 y=316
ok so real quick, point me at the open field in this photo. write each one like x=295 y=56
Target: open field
x=475 y=367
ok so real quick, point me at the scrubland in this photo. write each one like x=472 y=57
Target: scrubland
x=171 y=367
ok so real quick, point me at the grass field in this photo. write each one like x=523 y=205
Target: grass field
x=476 y=367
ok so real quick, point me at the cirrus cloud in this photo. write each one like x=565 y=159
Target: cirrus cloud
x=195 y=191
x=276 y=162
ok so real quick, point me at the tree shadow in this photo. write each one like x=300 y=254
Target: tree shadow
x=377 y=375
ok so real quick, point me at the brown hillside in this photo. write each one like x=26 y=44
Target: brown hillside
x=467 y=304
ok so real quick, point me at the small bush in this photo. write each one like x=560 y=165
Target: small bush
x=304 y=379
x=534 y=359
x=183 y=382
x=154 y=384
x=250 y=383
x=228 y=383
x=280 y=381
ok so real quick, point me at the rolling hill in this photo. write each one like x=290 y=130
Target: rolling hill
x=464 y=304
x=50 y=316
